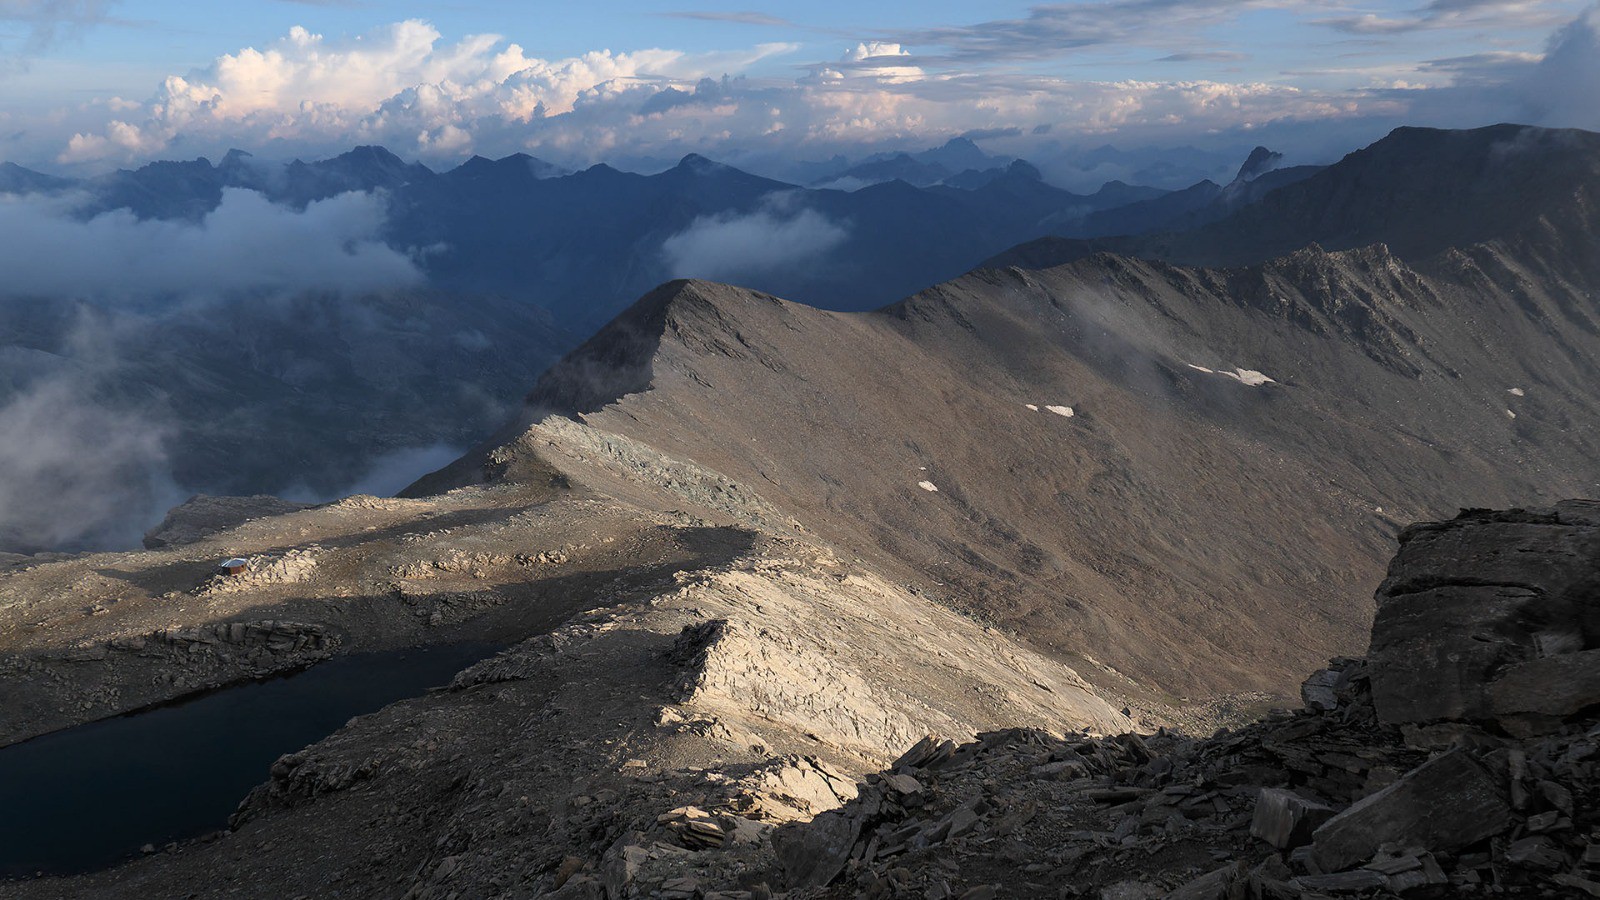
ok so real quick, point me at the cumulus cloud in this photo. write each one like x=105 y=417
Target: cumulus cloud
x=398 y=83
x=1564 y=87
x=1558 y=88
x=247 y=244
x=733 y=246
x=408 y=88
x=405 y=87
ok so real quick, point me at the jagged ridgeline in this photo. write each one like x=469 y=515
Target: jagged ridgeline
x=743 y=553
x=403 y=307
x=1180 y=473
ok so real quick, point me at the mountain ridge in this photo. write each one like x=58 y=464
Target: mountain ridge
x=1422 y=191
x=1238 y=372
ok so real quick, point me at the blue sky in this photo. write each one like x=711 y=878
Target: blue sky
x=96 y=83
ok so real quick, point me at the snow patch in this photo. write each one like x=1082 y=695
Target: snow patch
x=1518 y=392
x=1031 y=406
x=1250 y=377
x=1511 y=414
x=1061 y=410
x=928 y=486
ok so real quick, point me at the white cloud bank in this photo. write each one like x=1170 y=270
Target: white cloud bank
x=406 y=86
x=1564 y=87
x=247 y=244
x=79 y=473
x=734 y=246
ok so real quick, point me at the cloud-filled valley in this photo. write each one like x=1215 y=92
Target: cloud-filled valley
x=736 y=247
x=247 y=244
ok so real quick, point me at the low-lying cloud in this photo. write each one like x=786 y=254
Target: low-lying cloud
x=247 y=244
x=78 y=472
x=112 y=328
x=736 y=246
x=396 y=470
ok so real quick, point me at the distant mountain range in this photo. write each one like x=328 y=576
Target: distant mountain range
x=582 y=245
x=1419 y=191
x=523 y=261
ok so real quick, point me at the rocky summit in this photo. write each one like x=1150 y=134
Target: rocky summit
x=1386 y=784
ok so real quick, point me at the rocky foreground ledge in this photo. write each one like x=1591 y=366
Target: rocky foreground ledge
x=1459 y=760
x=706 y=738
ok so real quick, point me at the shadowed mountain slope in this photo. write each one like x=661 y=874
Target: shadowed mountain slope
x=1419 y=190
x=1240 y=446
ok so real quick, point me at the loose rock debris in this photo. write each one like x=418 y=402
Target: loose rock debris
x=1445 y=787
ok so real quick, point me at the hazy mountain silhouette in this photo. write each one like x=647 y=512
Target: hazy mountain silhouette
x=1419 y=191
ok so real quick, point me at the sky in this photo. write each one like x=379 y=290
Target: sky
x=88 y=85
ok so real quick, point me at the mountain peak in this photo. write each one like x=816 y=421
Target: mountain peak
x=1260 y=162
x=372 y=152
x=1021 y=168
x=621 y=358
x=699 y=165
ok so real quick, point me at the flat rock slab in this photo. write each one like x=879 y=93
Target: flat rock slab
x=813 y=856
x=1468 y=599
x=1533 y=697
x=1444 y=804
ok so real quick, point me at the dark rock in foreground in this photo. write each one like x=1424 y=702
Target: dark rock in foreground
x=1459 y=761
x=1486 y=619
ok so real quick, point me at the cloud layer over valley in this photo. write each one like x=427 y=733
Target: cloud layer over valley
x=736 y=247
x=246 y=245
x=255 y=348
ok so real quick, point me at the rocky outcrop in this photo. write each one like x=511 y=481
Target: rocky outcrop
x=1492 y=618
x=1248 y=814
x=1414 y=774
x=270 y=643
x=290 y=567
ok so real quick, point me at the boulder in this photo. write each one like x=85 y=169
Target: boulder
x=1287 y=820
x=1470 y=600
x=1535 y=696
x=1444 y=804
x=814 y=854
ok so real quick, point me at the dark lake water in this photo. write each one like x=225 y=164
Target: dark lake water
x=84 y=798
